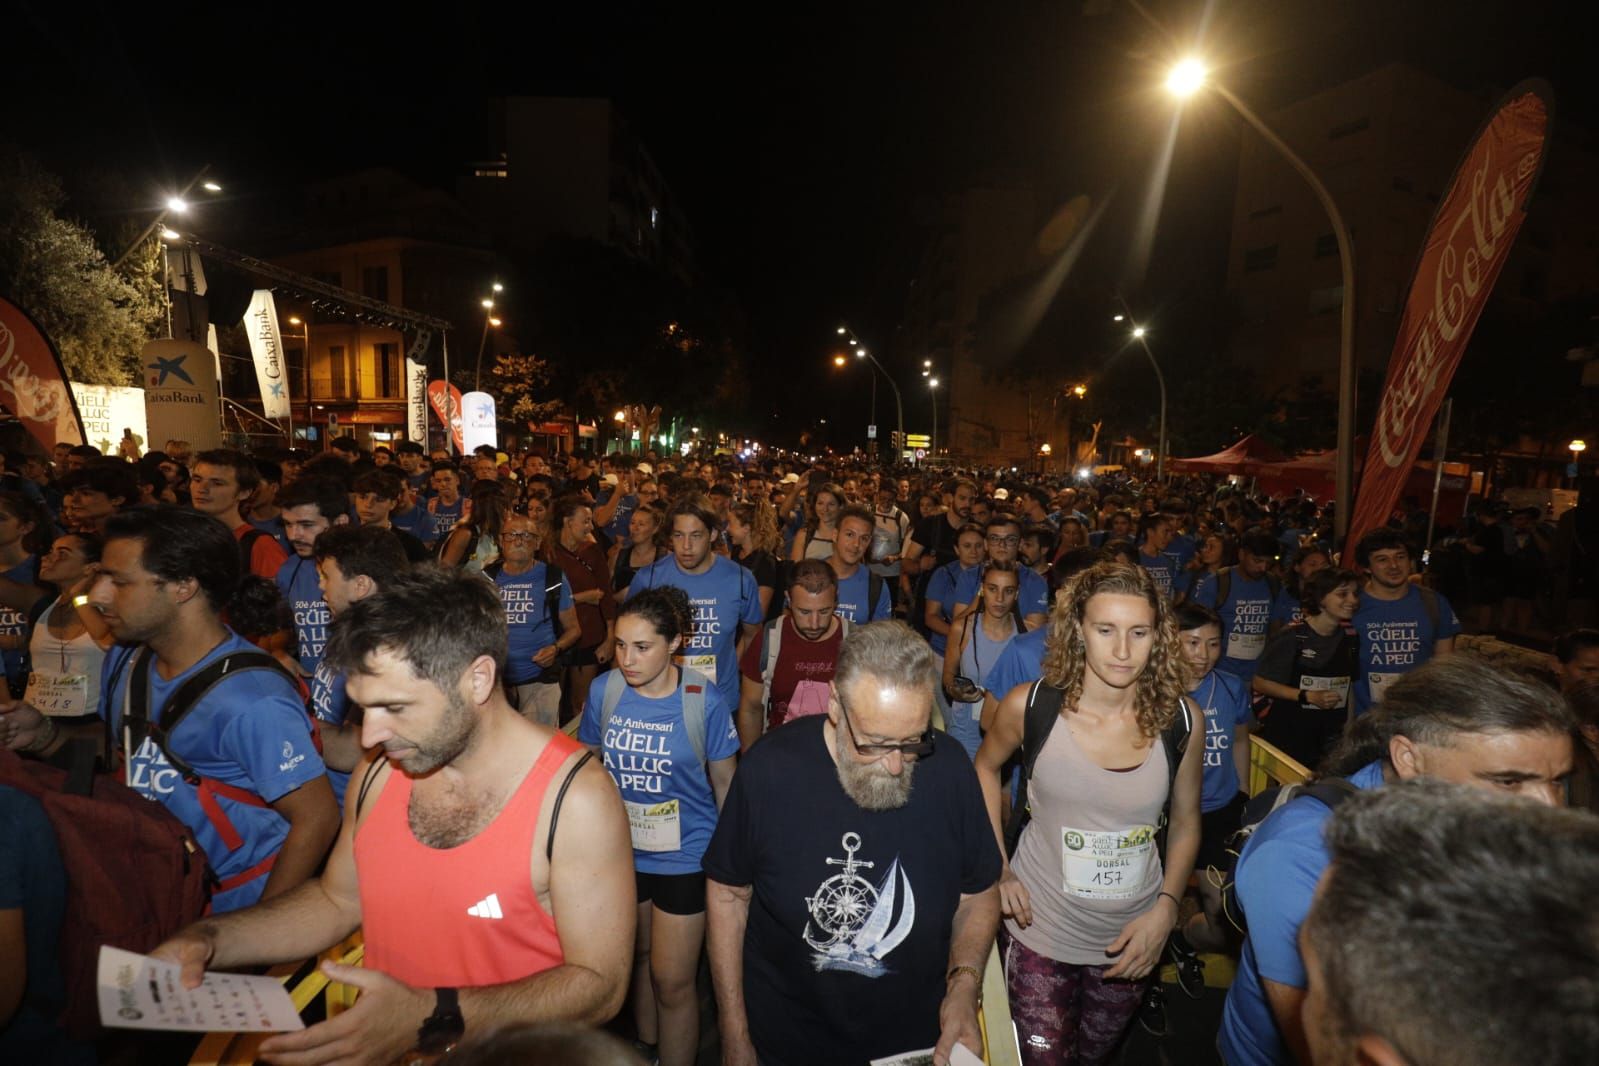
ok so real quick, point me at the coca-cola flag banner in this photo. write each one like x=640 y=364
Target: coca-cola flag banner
x=1461 y=257
x=266 y=346
x=33 y=386
x=416 y=387
x=449 y=411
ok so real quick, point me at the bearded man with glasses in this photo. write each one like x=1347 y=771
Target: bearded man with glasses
x=852 y=880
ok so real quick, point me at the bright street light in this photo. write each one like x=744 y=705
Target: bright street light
x=839 y=360
x=1138 y=331
x=1577 y=447
x=487 y=303
x=1118 y=318
x=294 y=320
x=498 y=287
x=170 y=234
x=494 y=322
x=211 y=186
x=927 y=362
x=860 y=352
x=620 y=416
x=1079 y=391
x=932 y=383
x=1186 y=78
x=842 y=331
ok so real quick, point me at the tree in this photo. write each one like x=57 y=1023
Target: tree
x=514 y=382
x=50 y=266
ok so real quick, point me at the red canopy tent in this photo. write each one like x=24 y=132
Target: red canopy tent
x=1242 y=458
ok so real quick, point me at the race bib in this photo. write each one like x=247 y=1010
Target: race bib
x=1106 y=865
x=1339 y=685
x=59 y=695
x=1378 y=682
x=1245 y=646
x=655 y=826
x=705 y=664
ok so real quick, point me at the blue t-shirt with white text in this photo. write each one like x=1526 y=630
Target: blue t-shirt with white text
x=1396 y=636
x=1245 y=619
x=331 y=704
x=529 y=625
x=1225 y=701
x=1165 y=568
x=951 y=585
x=297 y=580
x=649 y=755
x=853 y=592
x=720 y=600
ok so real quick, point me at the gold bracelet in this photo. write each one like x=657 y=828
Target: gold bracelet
x=956 y=971
x=80 y=601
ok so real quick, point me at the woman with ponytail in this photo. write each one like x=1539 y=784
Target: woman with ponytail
x=752 y=529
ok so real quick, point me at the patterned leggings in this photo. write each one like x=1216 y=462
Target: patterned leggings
x=1066 y=1015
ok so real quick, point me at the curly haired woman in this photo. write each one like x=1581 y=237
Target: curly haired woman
x=1088 y=898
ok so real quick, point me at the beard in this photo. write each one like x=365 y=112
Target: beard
x=868 y=784
x=452 y=736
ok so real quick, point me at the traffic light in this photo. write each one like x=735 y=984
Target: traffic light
x=896 y=439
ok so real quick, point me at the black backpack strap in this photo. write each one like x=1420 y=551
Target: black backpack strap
x=555 y=812
x=247 y=547
x=189 y=694
x=367 y=780
x=1039 y=716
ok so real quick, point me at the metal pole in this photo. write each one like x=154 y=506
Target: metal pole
x=899 y=406
x=1440 y=444
x=481 y=344
x=933 y=392
x=872 y=444
x=449 y=397
x=1160 y=456
x=1346 y=347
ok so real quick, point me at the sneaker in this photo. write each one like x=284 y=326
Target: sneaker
x=1152 y=1012
x=1190 y=967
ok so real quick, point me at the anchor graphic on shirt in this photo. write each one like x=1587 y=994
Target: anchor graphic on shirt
x=852 y=922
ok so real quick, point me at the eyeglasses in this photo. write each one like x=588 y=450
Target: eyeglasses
x=519 y=536
x=1005 y=540
x=919 y=748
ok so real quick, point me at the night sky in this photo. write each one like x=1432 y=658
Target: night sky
x=807 y=144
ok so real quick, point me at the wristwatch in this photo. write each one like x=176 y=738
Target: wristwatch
x=444 y=1027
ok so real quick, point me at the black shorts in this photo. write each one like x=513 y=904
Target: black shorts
x=582 y=657
x=1215 y=827
x=672 y=893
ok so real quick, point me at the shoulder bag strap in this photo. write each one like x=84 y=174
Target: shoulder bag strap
x=560 y=797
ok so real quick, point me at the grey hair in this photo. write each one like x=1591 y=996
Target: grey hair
x=888 y=651
x=1445 y=698
x=1459 y=926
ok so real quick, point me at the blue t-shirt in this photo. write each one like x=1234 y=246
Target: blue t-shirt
x=643 y=747
x=530 y=627
x=853 y=592
x=331 y=704
x=1245 y=618
x=616 y=528
x=1276 y=875
x=1032 y=592
x=721 y=599
x=1021 y=663
x=1396 y=636
x=951 y=584
x=415 y=521
x=1165 y=569
x=249 y=731
x=1285 y=608
x=297 y=580
x=13 y=623
x=442 y=518
x=34 y=881
x=1183 y=546
x=1225 y=701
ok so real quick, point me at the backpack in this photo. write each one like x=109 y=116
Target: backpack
x=247 y=547
x=771 y=648
x=1042 y=711
x=135 y=874
x=137 y=724
x=1329 y=791
x=692 y=689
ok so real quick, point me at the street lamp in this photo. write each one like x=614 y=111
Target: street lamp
x=932 y=391
x=175 y=205
x=305 y=365
x=1186 y=79
x=1577 y=448
x=1141 y=335
x=839 y=360
x=488 y=320
x=899 y=406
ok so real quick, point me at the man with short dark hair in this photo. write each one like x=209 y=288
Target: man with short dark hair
x=345 y=448
x=311 y=506
x=855 y=925
x=446 y=507
x=485 y=859
x=376 y=494
x=1577 y=653
x=242 y=773
x=1003 y=538
x=786 y=670
x=95 y=493
x=856 y=525
x=1242 y=596
x=223 y=484
x=1401 y=625
x=352 y=563
x=932 y=543
x=1453 y=929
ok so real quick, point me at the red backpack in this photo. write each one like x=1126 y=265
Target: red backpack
x=135 y=875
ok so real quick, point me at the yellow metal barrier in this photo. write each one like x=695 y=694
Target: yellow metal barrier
x=241 y=1049
x=1269 y=765
x=999 y=1032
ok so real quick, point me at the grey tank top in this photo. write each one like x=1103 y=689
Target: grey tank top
x=1088 y=856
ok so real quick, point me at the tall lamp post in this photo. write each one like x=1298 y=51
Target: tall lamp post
x=488 y=320
x=305 y=365
x=1141 y=335
x=1186 y=79
x=175 y=205
x=932 y=391
x=862 y=353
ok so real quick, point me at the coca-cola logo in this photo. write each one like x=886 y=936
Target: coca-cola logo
x=31 y=397
x=1479 y=213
